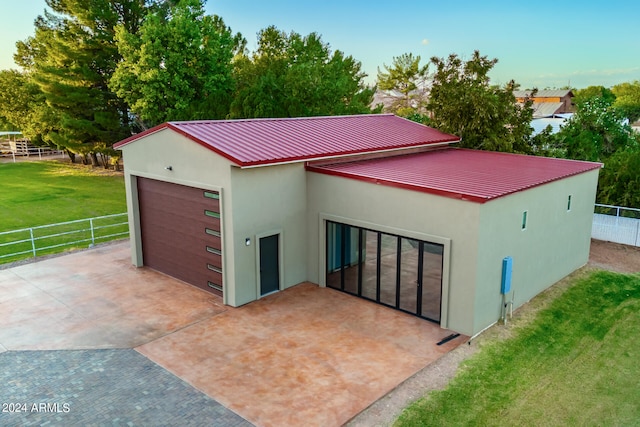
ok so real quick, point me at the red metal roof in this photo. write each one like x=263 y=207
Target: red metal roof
x=478 y=176
x=267 y=141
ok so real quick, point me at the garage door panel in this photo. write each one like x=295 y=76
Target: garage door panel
x=193 y=206
x=161 y=188
x=178 y=225
x=177 y=241
x=184 y=253
x=178 y=236
x=216 y=278
x=175 y=210
x=181 y=232
x=193 y=277
x=184 y=256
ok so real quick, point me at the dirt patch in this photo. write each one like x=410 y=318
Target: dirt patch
x=436 y=376
x=614 y=257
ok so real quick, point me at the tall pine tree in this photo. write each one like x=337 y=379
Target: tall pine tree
x=71 y=57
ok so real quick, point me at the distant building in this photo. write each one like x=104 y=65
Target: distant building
x=556 y=121
x=547 y=103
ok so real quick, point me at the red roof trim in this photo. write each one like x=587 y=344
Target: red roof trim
x=142 y=134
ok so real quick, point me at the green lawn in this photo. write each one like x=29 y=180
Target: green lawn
x=39 y=193
x=576 y=363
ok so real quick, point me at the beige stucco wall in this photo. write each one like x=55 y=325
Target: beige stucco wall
x=256 y=202
x=451 y=222
x=269 y=200
x=192 y=165
x=555 y=242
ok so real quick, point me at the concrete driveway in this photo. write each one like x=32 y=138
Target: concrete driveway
x=304 y=356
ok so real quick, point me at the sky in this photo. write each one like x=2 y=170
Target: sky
x=543 y=44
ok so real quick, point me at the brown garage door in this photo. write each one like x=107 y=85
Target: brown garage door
x=181 y=232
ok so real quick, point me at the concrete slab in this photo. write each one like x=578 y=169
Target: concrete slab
x=95 y=299
x=305 y=356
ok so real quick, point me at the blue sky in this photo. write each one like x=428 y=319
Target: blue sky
x=538 y=44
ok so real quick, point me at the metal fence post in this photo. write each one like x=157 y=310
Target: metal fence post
x=58 y=239
x=33 y=242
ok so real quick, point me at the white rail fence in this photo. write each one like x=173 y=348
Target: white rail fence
x=611 y=223
x=22 y=148
x=51 y=238
x=616 y=224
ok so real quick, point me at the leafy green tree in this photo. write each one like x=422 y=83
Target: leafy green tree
x=628 y=99
x=177 y=66
x=595 y=131
x=619 y=182
x=23 y=106
x=71 y=58
x=18 y=98
x=294 y=76
x=484 y=116
x=598 y=132
x=407 y=78
x=546 y=144
x=590 y=92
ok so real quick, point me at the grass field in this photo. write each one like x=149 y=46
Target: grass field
x=576 y=363
x=38 y=193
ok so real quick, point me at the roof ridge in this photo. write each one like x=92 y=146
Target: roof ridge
x=275 y=119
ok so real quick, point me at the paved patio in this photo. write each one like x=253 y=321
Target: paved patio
x=101 y=388
x=303 y=356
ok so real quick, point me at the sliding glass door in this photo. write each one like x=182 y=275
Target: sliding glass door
x=393 y=270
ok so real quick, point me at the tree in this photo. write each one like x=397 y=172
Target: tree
x=293 y=76
x=595 y=131
x=19 y=99
x=598 y=132
x=408 y=79
x=484 y=116
x=71 y=58
x=546 y=144
x=177 y=66
x=619 y=182
x=590 y=92
x=628 y=99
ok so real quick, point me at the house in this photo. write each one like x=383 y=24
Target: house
x=374 y=205
x=547 y=103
